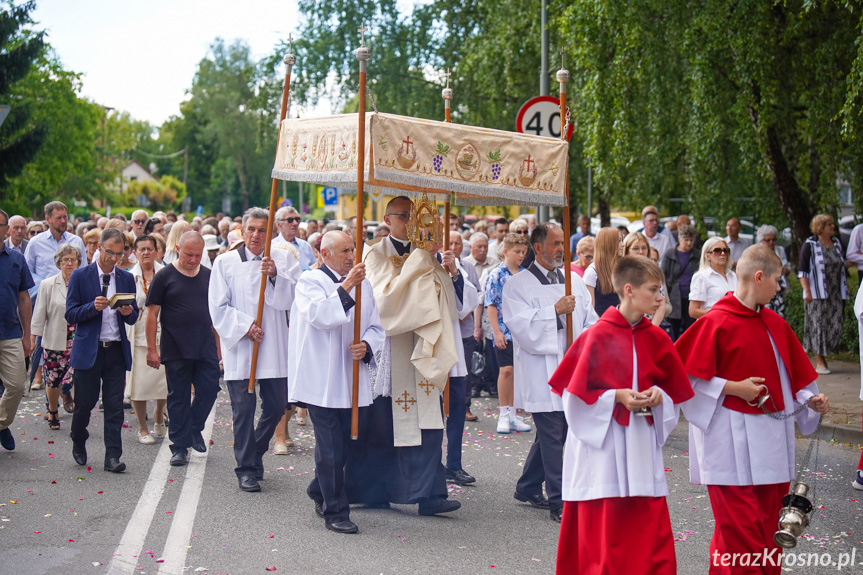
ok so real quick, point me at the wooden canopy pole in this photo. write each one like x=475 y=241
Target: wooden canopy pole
x=563 y=78
x=363 y=54
x=447 y=98
x=289 y=64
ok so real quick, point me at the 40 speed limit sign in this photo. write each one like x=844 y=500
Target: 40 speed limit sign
x=540 y=116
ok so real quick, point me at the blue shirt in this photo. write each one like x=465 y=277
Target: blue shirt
x=494 y=293
x=40 y=255
x=14 y=278
x=307 y=253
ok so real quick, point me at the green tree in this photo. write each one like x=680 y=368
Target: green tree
x=20 y=48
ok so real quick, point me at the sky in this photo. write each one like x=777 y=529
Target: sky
x=140 y=56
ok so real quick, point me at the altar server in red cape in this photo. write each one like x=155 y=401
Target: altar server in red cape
x=736 y=353
x=615 y=516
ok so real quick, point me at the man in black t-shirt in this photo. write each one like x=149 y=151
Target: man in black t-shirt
x=188 y=345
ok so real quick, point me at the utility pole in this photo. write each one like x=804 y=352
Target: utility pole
x=542 y=211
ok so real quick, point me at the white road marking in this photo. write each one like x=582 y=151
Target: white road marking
x=125 y=556
x=176 y=546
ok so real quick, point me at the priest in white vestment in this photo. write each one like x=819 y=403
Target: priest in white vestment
x=534 y=305
x=419 y=301
x=320 y=357
x=233 y=300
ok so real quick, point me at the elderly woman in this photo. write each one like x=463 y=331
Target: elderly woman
x=145 y=383
x=583 y=255
x=91 y=242
x=822 y=275
x=178 y=229
x=35 y=227
x=127 y=262
x=766 y=235
x=49 y=321
x=679 y=265
x=713 y=279
x=154 y=226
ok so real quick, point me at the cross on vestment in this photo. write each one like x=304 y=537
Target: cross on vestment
x=427 y=386
x=406 y=401
x=529 y=162
x=408 y=145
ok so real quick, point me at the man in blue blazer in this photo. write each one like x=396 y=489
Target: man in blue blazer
x=100 y=350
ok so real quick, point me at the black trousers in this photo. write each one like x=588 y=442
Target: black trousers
x=188 y=417
x=250 y=442
x=455 y=422
x=107 y=375
x=332 y=442
x=682 y=324
x=545 y=459
x=470 y=380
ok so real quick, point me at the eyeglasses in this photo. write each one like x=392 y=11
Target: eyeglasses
x=139 y=222
x=771 y=240
x=69 y=261
x=406 y=216
x=290 y=220
x=720 y=251
x=111 y=254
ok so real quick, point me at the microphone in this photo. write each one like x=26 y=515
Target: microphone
x=106 y=279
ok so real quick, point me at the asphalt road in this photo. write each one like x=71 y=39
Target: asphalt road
x=59 y=518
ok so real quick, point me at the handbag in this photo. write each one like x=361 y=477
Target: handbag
x=477 y=359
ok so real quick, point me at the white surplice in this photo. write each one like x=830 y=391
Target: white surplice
x=233 y=301
x=727 y=447
x=538 y=345
x=320 y=363
x=605 y=459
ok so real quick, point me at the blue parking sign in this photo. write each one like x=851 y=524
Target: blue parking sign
x=331 y=198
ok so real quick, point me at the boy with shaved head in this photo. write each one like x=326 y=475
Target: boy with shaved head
x=734 y=355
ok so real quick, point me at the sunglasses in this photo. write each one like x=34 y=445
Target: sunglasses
x=139 y=222
x=290 y=220
x=33 y=233
x=521 y=232
x=720 y=251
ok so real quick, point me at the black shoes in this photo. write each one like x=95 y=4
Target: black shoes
x=249 y=484
x=459 y=476
x=539 y=501
x=342 y=526
x=114 y=465
x=198 y=442
x=180 y=458
x=556 y=515
x=435 y=506
x=319 y=509
x=79 y=453
x=6 y=439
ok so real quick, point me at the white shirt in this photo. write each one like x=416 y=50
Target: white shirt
x=233 y=301
x=603 y=459
x=709 y=286
x=727 y=447
x=110 y=327
x=737 y=247
x=854 y=252
x=538 y=344
x=660 y=243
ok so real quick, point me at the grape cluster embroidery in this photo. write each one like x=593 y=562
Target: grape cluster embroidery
x=494 y=158
x=440 y=153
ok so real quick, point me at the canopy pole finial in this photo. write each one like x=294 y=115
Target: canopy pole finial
x=447 y=95
x=289 y=58
x=362 y=53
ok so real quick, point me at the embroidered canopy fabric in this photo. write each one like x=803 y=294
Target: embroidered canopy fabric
x=410 y=156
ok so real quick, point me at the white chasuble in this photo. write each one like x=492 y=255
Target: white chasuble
x=539 y=334
x=419 y=311
x=319 y=359
x=233 y=301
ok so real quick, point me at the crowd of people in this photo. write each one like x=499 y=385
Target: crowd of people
x=159 y=309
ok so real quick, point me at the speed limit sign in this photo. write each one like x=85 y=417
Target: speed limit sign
x=541 y=116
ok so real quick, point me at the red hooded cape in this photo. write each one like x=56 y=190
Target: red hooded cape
x=601 y=359
x=731 y=342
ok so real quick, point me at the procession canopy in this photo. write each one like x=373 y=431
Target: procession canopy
x=413 y=156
